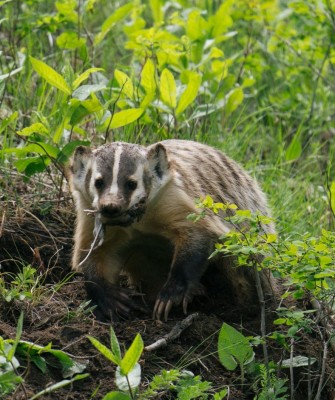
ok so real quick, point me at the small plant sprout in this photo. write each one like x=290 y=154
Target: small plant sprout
x=128 y=371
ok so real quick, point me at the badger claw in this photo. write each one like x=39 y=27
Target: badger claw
x=174 y=294
x=113 y=302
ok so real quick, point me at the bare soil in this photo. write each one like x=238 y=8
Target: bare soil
x=42 y=237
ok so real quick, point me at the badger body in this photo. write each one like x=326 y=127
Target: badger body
x=138 y=199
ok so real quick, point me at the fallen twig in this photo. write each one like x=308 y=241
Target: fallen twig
x=173 y=334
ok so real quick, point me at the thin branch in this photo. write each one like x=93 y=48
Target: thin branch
x=173 y=334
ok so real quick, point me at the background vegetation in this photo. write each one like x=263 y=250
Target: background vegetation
x=253 y=78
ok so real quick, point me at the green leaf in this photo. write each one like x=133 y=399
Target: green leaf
x=298 y=361
x=168 y=89
x=104 y=350
x=116 y=396
x=32 y=165
x=190 y=93
x=69 y=40
x=148 y=81
x=123 y=118
x=132 y=355
x=234 y=99
x=156 y=9
x=50 y=75
x=34 y=128
x=125 y=83
x=84 y=91
x=117 y=16
x=82 y=77
x=294 y=149
x=132 y=379
x=115 y=343
x=233 y=348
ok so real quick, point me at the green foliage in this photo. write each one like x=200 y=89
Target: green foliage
x=234 y=349
x=128 y=373
x=9 y=363
x=24 y=285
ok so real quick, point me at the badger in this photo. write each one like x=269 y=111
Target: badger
x=132 y=204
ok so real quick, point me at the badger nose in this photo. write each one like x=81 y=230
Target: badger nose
x=110 y=210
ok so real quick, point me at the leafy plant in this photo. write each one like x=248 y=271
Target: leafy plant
x=26 y=284
x=128 y=372
x=9 y=363
x=234 y=349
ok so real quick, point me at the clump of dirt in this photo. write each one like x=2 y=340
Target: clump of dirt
x=44 y=241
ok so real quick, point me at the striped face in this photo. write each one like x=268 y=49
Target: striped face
x=118 y=179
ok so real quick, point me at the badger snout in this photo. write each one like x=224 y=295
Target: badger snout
x=110 y=210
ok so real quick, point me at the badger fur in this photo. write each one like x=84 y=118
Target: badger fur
x=134 y=201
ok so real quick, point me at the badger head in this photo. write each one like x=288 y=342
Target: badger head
x=118 y=179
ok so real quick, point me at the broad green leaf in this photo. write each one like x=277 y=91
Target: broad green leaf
x=294 y=149
x=157 y=9
x=133 y=378
x=82 y=77
x=222 y=20
x=235 y=98
x=132 y=355
x=104 y=350
x=125 y=83
x=117 y=16
x=34 y=128
x=123 y=118
x=233 y=348
x=196 y=26
x=84 y=91
x=148 y=81
x=298 y=361
x=190 y=93
x=69 y=40
x=32 y=165
x=115 y=343
x=168 y=89
x=50 y=75
x=116 y=396
x=38 y=147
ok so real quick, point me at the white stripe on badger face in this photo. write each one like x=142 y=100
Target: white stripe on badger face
x=139 y=192
x=117 y=156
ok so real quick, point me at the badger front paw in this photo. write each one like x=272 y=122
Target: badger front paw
x=174 y=292
x=112 y=301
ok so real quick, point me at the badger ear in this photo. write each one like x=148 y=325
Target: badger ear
x=158 y=161
x=80 y=159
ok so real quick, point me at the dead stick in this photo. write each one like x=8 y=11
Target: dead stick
x=173 y=334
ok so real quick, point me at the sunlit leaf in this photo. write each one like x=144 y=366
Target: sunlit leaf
x=190 y=93
x=82 y=77
x=118 y=15
x=235 y=98
x=69 y=40
x=123 y=118
x=50 y=75
x=132 y=355
x=34 y=128
x=168 y=89
x=125 y=83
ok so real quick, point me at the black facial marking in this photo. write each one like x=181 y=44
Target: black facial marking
x=99 y=183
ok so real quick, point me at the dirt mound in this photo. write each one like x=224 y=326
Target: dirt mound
x=44 y=241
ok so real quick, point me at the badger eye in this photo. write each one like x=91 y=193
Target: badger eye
x=99 y=183
x=131 y=184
